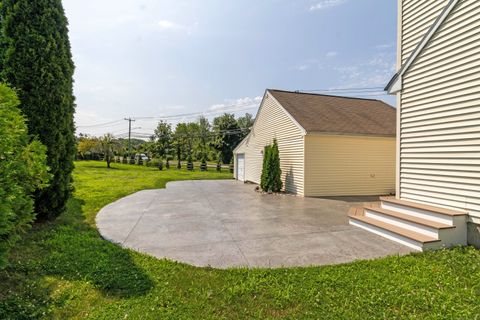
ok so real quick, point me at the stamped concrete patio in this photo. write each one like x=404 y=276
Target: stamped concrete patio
x=226 y=224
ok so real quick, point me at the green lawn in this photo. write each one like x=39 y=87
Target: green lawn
x=65 y=270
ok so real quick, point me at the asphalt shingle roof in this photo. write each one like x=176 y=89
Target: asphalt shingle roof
x=333 y=114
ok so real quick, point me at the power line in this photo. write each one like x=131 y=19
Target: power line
x=345 y=89
x=101 y=124
x=363 y=92
x=129 y=133
x=229 y=108
x=188 y=135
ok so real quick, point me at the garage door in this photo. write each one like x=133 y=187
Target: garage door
x=241 y=167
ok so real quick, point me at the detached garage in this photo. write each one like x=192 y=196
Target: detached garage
x=329 y=146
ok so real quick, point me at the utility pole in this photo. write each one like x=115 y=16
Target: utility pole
x=130 y=120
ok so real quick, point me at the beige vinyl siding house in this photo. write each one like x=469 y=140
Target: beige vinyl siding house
x=417 y=19
x=438 y=148
x=440 y=110
x=273 y=122
x=335 y=168
x=323 y=150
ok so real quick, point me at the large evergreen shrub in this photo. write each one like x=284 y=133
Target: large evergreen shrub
x=35 y=58
x=23 y=169
x=271 y=179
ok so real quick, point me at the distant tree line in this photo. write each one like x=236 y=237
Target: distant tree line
x=201 y=140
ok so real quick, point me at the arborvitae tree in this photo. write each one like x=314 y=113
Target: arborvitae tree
x=275 y=170
x=35 y=58
x=264 y=179
x=22 y=170
x=271 y=179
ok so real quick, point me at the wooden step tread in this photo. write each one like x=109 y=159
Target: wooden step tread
x=397 y=230
x=415 y=205
x=356 y=211
x=409 y=218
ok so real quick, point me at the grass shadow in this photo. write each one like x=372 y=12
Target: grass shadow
x=78 y=253
x=97 y=165
x=72 y=250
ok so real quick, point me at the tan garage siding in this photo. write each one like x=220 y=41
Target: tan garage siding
x=418 y=17
x=349 y=165
x=440 y=116
x=274 y=122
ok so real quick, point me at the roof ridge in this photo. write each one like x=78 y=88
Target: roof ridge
x=323 y=95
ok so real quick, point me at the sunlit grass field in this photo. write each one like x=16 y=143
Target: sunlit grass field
x=65 y=270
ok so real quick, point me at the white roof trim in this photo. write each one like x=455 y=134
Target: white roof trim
x=396 y=84
x=242 y=143
x=304 y=132
x=252 y=131
x=253 y=126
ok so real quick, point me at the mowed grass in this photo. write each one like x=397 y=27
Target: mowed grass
x=65 y=270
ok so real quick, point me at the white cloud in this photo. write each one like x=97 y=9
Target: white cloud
x=86 y=123
x=300 y=68
x=331 y=54
x=382 y=61
x=167 y=24
x=170 y=109
x=324 y=4
x=373 y=72
x=235 y=105
x=385 y=46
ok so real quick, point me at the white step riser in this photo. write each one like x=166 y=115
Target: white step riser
x=428 y=215
x=428 y=231
x=457 y=236
x=390 y=235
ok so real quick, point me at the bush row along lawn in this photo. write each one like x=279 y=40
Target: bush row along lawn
x=65 y=270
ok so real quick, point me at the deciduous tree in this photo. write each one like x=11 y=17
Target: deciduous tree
x=227 y=137
x=109 y=145
x=87 y=145
x=245 y=123
x=163 y=139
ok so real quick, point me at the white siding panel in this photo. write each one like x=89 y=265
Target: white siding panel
x=417 y=18
x=440 y=112
x=273 y=122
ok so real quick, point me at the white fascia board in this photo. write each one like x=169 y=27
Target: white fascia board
x=347 y=134
x=241 y=143
x=254 y=123
x=396 y=84
x=304 y=132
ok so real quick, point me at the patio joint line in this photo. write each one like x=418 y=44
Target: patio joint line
x=225 y=227
x=139 y=218
x=236 y=241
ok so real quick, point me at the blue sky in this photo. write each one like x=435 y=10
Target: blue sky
x=156 y=58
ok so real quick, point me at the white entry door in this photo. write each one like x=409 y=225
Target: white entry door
x=241 y=167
